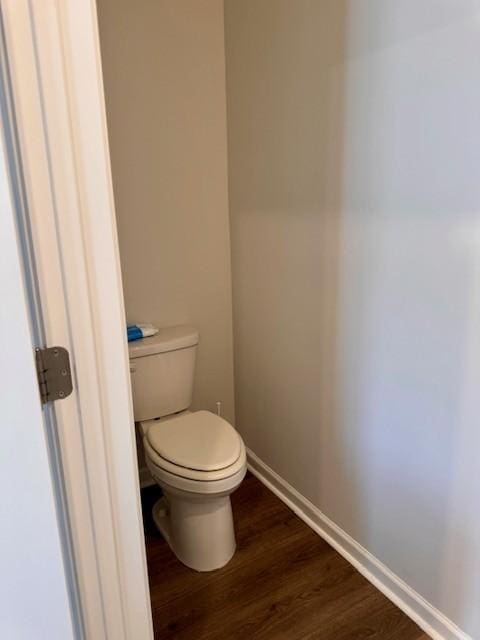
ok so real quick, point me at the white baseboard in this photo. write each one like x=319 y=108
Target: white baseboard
x=434 y=623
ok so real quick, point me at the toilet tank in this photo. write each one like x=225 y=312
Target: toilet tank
x=161 y=370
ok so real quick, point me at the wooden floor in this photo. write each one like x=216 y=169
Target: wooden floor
x=284 y=583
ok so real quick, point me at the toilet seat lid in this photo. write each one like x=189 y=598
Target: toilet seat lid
x=201 y=440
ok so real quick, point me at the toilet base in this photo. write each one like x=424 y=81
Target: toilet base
x=199 y=529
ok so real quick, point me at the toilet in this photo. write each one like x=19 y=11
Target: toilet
x=196 y=457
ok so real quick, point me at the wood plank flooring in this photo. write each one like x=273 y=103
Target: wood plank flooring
x=284 y=583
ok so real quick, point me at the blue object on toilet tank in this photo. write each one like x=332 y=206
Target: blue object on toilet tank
x=138 y=331
x=134 y=333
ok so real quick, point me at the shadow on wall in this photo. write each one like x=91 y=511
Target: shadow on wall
x=355 y=214
x=285 y=99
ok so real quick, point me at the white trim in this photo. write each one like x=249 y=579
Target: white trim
x=434 y=623
x=54 y=60
x=83 y=75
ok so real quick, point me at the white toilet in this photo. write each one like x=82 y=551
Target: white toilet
x=197 y=458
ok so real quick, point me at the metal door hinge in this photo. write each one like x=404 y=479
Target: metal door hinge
x=54 y=375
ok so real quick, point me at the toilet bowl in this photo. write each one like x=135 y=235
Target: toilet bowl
x=197 y=458
x=195 y=515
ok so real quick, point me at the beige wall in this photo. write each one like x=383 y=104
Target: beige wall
x=164 y=76
x=355 y=213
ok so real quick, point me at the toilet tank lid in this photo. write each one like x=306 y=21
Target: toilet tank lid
x=167 y=339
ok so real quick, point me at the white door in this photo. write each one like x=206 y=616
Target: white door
x=72 y=506
x=35 y=585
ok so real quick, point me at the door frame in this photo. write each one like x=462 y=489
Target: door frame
x=57 y=88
